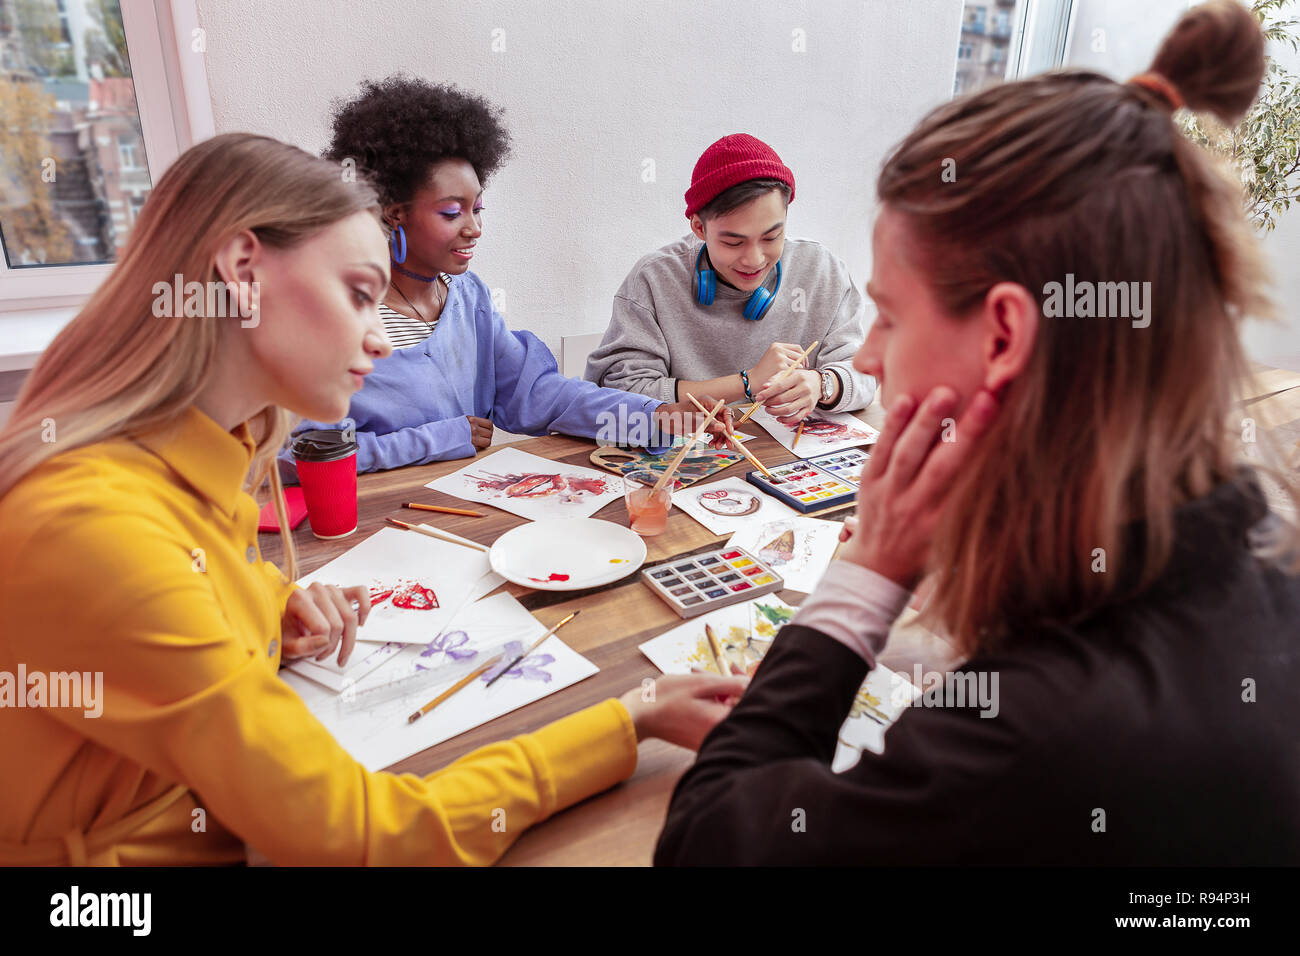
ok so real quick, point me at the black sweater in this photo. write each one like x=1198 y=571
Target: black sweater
x=1137 y=711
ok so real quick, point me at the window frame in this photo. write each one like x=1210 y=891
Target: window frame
x=171 y=89
x=1040 y=37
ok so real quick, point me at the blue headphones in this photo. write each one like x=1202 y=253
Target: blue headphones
x=706 y=284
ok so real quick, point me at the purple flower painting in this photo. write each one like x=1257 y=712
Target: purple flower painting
x=449 y=645
x=530 y=668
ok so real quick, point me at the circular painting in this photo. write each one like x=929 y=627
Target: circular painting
x=729 y=504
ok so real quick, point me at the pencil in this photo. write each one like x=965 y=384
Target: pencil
x=797 y=435
x=719 y=661
x=442 y=510
x=740 y=445
x=477 y=672
x=781 y=377
x=536 y=645
x=434 y=533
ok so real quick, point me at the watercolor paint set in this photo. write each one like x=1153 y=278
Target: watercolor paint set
x=706 y=582
x=814 y=484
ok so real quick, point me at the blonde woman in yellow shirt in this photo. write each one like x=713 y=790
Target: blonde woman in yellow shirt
x=128 y=549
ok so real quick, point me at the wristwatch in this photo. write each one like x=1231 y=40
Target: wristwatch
x=828 y=386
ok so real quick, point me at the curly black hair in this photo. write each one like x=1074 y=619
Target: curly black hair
x=400 y=126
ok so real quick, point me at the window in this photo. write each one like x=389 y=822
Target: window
x=99 y=97
x=69 y=88
x=128 y=151
x=1025 y=37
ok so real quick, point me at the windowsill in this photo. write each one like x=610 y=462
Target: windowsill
x=25 y=335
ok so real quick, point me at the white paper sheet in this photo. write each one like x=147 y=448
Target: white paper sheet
x=823 y=432
x=729 y=505
x=368 y=655
x=381 y=735
x=480 y=589
x=408 y=574
x=746 y=632
x=880 y=701
x=532 y=487
x=799 y=549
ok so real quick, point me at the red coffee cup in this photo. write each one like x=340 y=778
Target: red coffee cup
x=326 y=459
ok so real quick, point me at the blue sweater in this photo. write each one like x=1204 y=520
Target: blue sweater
x=413 y=407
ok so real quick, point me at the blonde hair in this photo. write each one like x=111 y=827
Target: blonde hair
x=117 y=369
x=1109 y=425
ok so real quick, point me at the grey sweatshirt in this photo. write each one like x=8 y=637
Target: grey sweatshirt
x=659 y=333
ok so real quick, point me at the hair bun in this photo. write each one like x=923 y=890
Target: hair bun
x=1214 y=58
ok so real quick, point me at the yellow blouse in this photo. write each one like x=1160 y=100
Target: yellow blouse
x=139 y=559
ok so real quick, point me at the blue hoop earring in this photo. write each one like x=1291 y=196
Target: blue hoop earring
x=398 y=233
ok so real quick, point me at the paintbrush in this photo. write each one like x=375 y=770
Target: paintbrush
x=797 y=435
x=472 y=675
x=434 y=533
x=780 y=377
x=719 y=660
x=739 y=445
x=535 y=646
x=681 y=455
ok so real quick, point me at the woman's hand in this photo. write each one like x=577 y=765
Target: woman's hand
x=320 y=617
x=682 y=708
x=904 y=485
x=683 y=418
x=792 y=400
x=480 y=432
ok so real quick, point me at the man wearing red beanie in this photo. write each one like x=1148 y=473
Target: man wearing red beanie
x=722 y=311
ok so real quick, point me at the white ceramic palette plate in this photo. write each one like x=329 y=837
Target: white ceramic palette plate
x=567 y=554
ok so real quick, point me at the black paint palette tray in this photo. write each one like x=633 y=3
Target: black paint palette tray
x=814 y=484
x=696 y=585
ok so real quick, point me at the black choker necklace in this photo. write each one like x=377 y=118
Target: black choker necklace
x=413 y=275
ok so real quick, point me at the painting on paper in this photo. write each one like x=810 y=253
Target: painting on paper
x=823 y=432
x=729 y=505
x=880 y=701
x=799 y=549
x=416 y=583
x=372 y=724
x=744 y=633
x=532 y=487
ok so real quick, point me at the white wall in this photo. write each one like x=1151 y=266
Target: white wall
x=1130 y=33
x=593 y=89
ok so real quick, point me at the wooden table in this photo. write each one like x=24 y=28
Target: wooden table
x=620 y=826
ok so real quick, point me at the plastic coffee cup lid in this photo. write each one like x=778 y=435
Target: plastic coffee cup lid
x=322 y=444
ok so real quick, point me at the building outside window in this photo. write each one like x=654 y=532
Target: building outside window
x=71 y=151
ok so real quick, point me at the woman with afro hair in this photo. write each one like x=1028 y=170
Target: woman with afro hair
x=456 y=369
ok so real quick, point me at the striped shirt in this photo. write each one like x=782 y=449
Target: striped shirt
x=404 y=332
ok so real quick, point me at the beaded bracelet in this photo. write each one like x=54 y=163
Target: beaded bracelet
x=744 y=378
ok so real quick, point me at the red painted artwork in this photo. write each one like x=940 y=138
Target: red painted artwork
x=410 y=596
x=415 y=597
x=568 y=487
x=831 y=431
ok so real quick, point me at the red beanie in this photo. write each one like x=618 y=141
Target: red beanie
x=730 y=161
